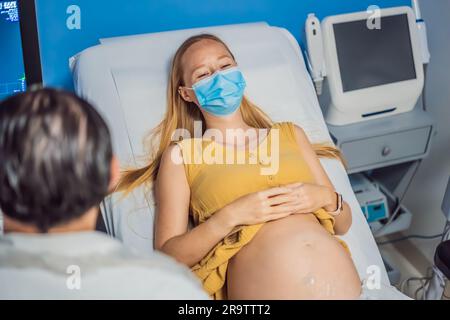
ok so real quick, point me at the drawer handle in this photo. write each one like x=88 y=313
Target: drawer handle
x=386 y=151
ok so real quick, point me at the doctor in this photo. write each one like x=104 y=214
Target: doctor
x=56 y=166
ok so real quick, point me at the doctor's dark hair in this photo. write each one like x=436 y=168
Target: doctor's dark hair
x=55 y=158
x=182 y=115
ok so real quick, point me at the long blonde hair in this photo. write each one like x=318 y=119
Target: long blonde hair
x=183 y=114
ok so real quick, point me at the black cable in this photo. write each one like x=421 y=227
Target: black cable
x=415 y=236
x=424 y=92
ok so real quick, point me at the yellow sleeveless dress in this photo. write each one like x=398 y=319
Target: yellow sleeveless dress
x=213 y=185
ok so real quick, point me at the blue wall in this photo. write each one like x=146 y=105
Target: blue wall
x=106 y=18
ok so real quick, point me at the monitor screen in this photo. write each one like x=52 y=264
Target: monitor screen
x=12 y=70
x=373 y=57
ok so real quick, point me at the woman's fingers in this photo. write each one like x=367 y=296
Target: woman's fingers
x=275 y=191
x=283 y=199
x=286 y=208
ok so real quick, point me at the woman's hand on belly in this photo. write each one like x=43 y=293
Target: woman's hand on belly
x=311 y=197
x=262 y=206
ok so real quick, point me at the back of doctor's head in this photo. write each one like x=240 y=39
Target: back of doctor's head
x=55 y=158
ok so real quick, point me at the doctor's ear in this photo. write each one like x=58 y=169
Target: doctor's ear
x=184 y=93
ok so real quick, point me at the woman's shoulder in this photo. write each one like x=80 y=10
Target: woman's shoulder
x=291 y=130
x=187 y=142
x=287 y=127
x=189 y=149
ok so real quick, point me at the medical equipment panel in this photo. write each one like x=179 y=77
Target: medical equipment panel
x=12 y=75
x=19 y=55
x=372 y=201
x=373 y=64
x=399 y=217
x=374 y=57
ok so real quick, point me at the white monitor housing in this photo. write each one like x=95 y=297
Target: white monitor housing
x=374 y=66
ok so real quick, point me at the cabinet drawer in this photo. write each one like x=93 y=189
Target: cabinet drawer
x=385 y=148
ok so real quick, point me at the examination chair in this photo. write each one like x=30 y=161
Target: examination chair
x=126 y=79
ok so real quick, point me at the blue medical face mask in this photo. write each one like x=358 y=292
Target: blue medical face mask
x=221 y=93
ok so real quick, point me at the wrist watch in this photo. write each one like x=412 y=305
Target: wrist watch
x=339 y=205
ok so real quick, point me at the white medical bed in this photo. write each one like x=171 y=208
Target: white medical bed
x=126 y=78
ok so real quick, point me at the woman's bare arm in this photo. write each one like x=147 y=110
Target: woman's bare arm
x=344 y=220
x=172 y=206
x=172 y=215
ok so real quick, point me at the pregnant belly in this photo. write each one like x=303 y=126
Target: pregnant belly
x=293 y=258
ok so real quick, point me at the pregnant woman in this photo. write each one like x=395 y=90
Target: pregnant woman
x=255 y=234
